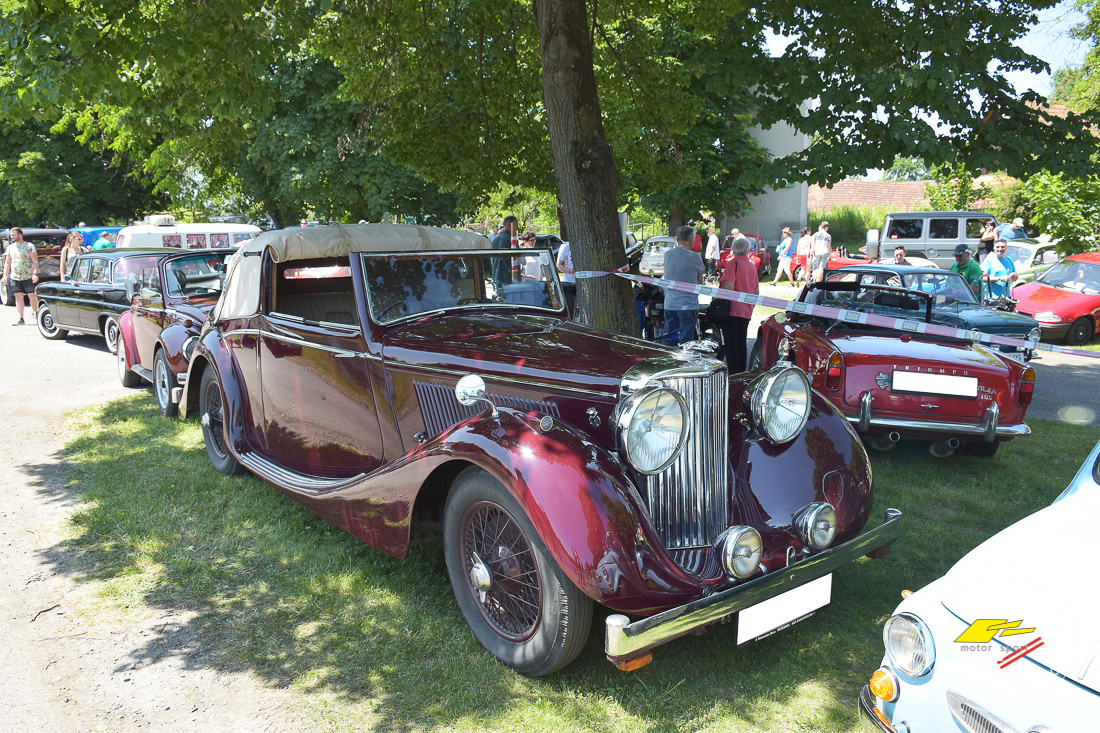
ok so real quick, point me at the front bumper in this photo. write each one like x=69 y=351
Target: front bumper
x=626 y=641
x=1054 y=331
x=869 y=721
x=989 y=428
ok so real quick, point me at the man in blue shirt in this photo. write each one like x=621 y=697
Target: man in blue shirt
x=1012 y=230
x=999 y=271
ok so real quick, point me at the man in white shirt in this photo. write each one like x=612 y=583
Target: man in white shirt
x=713 y=249
x=568 y=276
x=823 y=245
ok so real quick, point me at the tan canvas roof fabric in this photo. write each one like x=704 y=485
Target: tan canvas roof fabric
x=339 y=240
x=241 y=295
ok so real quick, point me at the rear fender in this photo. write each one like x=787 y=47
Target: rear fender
x=126 y=330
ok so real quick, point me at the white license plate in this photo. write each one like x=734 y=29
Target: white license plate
x=785 y=609
x=937 y=384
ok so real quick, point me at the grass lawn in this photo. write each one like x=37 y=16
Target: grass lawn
x=367 y=642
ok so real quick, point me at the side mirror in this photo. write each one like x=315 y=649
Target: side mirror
x=470 y=390
x=872 y=244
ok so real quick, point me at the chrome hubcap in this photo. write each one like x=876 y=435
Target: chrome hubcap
x=162 y=384
x=481 y=577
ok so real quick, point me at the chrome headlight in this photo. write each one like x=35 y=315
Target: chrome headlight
x=1034 y=334
x=816 y=525
x=654 y=425
x=189 y=347
x=780 y=402
x=784 y=349
x=739 y=550
x=909 y=645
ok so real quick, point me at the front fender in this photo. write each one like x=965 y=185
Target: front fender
x=172 y=340
x=212 y=353
x=126 y=329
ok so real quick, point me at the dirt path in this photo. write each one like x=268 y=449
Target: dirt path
x=62 y=670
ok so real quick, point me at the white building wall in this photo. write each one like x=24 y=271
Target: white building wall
x=775 y=209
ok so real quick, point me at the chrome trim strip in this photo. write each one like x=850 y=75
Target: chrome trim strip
x=973 y=718
x=625 y=640
x=292 y=479
x=310 y=344
x=500 y=378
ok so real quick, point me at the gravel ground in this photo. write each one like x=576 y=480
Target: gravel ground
x=65 y=664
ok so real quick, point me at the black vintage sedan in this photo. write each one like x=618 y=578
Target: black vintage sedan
x=101 y=286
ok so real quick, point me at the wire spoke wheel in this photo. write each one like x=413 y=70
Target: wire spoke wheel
x=511 y=600
x=215 y=423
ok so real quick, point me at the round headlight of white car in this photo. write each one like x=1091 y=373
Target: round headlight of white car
x=740 y=550
x=781 y=402
x=909 y=645
x=654 y=424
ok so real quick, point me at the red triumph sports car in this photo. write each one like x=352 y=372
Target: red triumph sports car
x=891 y=383
x=378 y=375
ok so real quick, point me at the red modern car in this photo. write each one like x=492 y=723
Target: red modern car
x=1065 y=299
x=156 y=337
x=379 y=376
x=891 y=383
x=758 y=253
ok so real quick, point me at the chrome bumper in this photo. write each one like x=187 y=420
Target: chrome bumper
x=989 y=428
x=868 y=721
x=627 y=640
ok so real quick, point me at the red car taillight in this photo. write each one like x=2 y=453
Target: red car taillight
x=1027 y=387
x=833 y=371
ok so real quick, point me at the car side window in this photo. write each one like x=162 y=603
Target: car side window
x=81 y=270
x=943 y=229
x=318 y=291
x=1049 y=256
x=98 y=271
x=974 y=228
x=905 y=229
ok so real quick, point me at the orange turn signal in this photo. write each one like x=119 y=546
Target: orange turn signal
x=884 y=685
x=629 y=665
x=906 y=593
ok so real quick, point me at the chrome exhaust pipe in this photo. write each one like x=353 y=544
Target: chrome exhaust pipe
x=895 y=436
x=944 y=448
x=883 y=442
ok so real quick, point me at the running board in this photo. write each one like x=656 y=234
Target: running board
x=142 y=372
x=302 y=482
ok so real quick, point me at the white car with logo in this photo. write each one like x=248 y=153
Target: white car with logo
x=1009 y=640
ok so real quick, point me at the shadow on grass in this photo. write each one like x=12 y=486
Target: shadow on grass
x=379 y=643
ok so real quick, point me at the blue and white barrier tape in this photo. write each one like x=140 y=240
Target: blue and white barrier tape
x=848 y=316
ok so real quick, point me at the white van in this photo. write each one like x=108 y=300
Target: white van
x=163 y=231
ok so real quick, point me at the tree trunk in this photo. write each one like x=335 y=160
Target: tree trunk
x=675 y=219
x=584 y=165
x=563 y=231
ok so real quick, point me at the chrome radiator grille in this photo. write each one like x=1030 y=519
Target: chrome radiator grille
x=688 y=501
x=973 y=718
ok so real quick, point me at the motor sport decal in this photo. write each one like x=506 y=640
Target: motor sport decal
x=848 y=316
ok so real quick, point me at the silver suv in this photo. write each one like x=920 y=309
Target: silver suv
x=932 y=235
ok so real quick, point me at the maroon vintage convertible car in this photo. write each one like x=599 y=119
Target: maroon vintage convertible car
x=381 y=377
x=170 y=300
x=893 y=384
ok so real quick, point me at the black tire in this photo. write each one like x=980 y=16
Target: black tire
x=110 y=333
x=530 y=616
x=756 y=355
x=6 y=296
x=47 y=327
x=213 y=426
x=797 y=273
x=981 y=450
x=126 y=376
x=1080 y=332
x=163 y=381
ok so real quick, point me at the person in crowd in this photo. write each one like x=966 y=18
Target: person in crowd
x=713 y=249
x=529 y=267
x=805 y=252
x=682 y=264
x=823 y=245
x=989 y=236
x=502 y=266
x=104 y=241
x=999 y=270
x=899 y=256
x=970 y=270
x=784 y=251
x=697 y=246
x=21 y=266
x=303 y=223
x=74 y=245
x=1012 y=230
x=739 y=275
x=568 y=276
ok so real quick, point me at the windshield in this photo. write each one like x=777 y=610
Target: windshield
x=1020 y=256
x=1071 y=275
x=657 y=247
x=402 y=286
x=198 y=275
x=868 y=293
x=948 y=287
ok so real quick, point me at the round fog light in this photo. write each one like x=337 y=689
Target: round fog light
x=739 y=550
x=816 y=525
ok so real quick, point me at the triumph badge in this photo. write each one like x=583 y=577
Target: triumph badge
x=883 y=380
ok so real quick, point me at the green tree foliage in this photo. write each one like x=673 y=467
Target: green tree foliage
x=1066 y=208
x=1079 y=88
x=1010 y=201
x=952 y=188
x=46 y=175
x=910 y=168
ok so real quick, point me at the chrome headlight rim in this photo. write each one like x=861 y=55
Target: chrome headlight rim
x=806 y=524
x=1034 y=334
x=189 y=347
x=905 y=666
x=740 y=549
x=626 y=414
x=761 y=389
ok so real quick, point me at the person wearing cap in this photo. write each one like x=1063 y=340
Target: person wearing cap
x=1012 y=230
x=970 y=270
x=999 y=270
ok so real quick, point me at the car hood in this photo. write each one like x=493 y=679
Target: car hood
x=531 y=347
x=988 y=319
x=1036 y=298
x=1037 y=572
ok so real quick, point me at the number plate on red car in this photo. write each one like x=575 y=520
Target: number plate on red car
x=786 y=609
x=935 y=384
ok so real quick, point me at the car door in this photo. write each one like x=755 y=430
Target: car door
x=88 y=293
x=64 y=307
x=318 y=406
x=147 y=314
